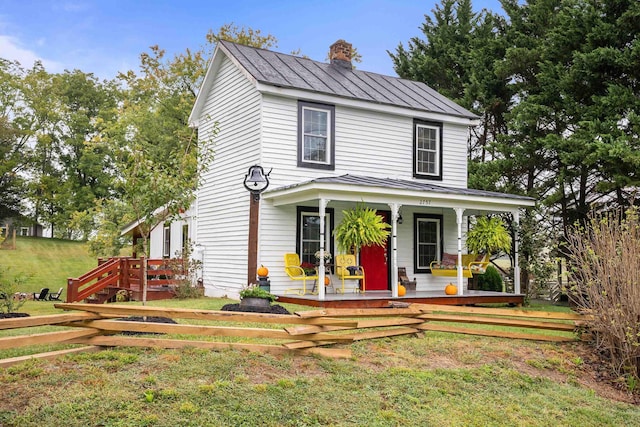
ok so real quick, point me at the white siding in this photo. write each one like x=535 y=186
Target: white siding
x=156 y=239
x=223 y=202
x=366 y=143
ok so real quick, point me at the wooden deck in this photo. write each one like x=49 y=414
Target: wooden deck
x=377 y=299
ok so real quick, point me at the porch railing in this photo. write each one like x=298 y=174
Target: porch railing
x=123 y=273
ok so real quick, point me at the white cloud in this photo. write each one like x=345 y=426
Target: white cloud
x=11 y=49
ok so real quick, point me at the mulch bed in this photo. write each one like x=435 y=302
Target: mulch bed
x=12 y=315
x=150 y=319
x=273 y=309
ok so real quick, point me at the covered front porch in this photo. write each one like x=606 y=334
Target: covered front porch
x=444 y=209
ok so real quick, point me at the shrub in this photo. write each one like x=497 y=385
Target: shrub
x=8 y=287
x=491 y=280
x=186 y=272
x=605 y=258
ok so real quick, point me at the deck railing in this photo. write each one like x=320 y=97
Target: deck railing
x=123 y=273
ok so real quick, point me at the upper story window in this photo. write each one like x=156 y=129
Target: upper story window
x=316 y=129
x=427 y=150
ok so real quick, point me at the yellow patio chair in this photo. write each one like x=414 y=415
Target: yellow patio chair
x=295 y=272
x=346 y=268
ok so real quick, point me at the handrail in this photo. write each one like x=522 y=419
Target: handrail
x=107 y=274
x=120 y=272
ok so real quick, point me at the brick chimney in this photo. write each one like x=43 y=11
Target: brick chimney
x=340 y=54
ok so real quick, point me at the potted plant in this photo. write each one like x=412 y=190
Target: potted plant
x=254 y=296
x=487 y=236
x=360 y=226
x=327 y=257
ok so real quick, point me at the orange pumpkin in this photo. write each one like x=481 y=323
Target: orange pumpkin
x=451 y=289
x=326 y=280
x=401 y=291
x=263 y=271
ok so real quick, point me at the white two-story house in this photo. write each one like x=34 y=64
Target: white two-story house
x=332 y=136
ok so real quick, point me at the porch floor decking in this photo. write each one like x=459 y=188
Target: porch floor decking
x=377 y=299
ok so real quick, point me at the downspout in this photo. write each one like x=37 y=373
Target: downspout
x=459 y=212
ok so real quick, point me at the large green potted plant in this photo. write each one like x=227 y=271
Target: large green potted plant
x=254 y=296
x=488 y=235
x=360 y=226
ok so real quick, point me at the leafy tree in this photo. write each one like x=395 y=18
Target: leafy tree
x=42 y=121
x=571 y=63
x=156 y=154
x=242 y=35
x=14 y=148
x=85 y=105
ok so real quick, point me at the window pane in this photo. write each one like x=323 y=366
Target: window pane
x=310 y=238
x=315 y=148
x=316 y=135
x=428 y=241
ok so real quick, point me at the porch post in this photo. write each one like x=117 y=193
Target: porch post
x=322 y=208
x=516 y=261
x=395 y=208
x=459 y=212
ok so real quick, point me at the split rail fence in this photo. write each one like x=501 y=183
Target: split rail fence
x=322 y=332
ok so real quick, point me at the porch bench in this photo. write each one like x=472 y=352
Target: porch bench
x=448 y=266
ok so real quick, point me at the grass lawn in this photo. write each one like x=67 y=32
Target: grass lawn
x=46 y=263
x=432 y=378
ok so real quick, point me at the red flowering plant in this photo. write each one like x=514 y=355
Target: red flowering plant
x=309 y=269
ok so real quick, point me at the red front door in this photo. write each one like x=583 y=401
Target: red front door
x=374 y=260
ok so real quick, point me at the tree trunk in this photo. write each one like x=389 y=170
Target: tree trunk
x=144 y=266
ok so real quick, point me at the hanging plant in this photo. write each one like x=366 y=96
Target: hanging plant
x=488 y=236
x=360 y=226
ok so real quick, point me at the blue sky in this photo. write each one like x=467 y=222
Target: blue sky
x=107 y=36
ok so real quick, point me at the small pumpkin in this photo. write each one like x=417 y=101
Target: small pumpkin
x=327 y=281
x=263 y=271
x=401 y=291
x=451 y=289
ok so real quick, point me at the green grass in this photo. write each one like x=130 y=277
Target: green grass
x=433 y=378
x=390 y=382
x=46 y=263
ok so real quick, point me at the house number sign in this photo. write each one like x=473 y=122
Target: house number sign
x=425 y=202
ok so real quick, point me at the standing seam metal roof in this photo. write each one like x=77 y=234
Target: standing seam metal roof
x=288 y=71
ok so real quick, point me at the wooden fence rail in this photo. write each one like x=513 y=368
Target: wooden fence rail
x=318 y=331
